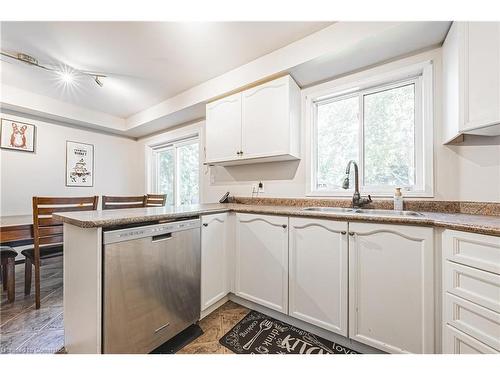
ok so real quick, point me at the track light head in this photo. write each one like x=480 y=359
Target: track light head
x=98 y=81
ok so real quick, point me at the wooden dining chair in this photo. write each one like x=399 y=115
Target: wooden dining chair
x=8 y=262
x=114 y=202
x=156 y=200
x=48 y=234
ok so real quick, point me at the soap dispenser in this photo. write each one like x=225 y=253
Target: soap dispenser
x=398 y=200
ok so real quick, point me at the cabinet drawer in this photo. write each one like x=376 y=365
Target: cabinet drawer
x=472 y=284
x=475 y=250
x=457 y=342
x=481 y=323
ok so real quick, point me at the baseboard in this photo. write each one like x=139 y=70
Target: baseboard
x=357 y=346
x=214 y=307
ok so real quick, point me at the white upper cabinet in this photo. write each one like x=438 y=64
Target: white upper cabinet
x=214 y=268
x=471 y=80
x=260 y=124
x=223 y=129
x=270 y=119
x=391 y=287
x=261 y=259
x=318 y=273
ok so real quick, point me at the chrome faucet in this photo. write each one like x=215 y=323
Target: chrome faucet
x=357 y=200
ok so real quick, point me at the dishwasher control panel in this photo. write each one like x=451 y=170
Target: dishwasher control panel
x=128 y=234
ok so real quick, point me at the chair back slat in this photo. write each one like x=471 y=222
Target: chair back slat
x=47 y=221
x=53 y=239
x=47 y=231
x=66 y=200
x=44 y=210
x=156 y=200
x=113 y=202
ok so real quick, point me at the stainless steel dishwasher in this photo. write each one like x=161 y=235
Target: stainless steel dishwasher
x=151 y=284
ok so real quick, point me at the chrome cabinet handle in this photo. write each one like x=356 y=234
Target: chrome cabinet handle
x=351 y=233
x=205 y=224
x=343 y=232
x=284 y=225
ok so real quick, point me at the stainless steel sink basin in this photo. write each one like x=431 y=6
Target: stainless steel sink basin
x=360 y=211
x=329 y=209
x=386 y=212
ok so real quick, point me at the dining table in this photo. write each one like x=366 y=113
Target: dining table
x=16 y=230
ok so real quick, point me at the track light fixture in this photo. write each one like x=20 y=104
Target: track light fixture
x=66 y=75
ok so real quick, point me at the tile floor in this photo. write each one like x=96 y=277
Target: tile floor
x=23 y=329
x=214 y=326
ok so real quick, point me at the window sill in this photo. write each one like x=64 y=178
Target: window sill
x=349 y=193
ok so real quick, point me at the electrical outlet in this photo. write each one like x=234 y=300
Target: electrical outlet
x=258 y=188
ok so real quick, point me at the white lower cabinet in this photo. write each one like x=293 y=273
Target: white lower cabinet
x=471 y=293
x=457 y=342
x=261 y=260
x=318 y=273
x=214 y=283
x=373 y=283
x=391 y=287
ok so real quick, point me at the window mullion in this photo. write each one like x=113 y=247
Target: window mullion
x=156 y=180
x=176 y=176
x=361 y=148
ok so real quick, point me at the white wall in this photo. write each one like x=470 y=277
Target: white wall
x=470 y=171
x=117 y=166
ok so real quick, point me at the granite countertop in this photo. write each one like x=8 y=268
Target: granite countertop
x=109 y=218
x=90 y=219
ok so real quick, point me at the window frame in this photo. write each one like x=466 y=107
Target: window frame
x=421 y=75
x=173 y=145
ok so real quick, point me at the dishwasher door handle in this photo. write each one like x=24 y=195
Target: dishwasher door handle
x=162 y=327
x=162 y=237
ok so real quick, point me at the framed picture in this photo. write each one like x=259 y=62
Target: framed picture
x=79 y=164
x=16 y=135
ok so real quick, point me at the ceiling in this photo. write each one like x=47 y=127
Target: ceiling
x=146 y=62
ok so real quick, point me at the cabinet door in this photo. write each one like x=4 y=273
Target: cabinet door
x=262 y=260
x=214 y=283
x=223 y=129
x=318 y=273
x=265 y=119
x=482 y=73
x=391 y=287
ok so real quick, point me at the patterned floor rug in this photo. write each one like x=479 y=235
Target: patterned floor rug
x=257 y=333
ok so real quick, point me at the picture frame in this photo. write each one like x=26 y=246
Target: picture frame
x=79 y=164
x=17 y=135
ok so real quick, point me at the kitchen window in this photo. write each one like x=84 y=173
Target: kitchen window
x=385 y=127
x=176 y=171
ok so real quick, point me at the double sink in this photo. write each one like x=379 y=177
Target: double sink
x=360 y=211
